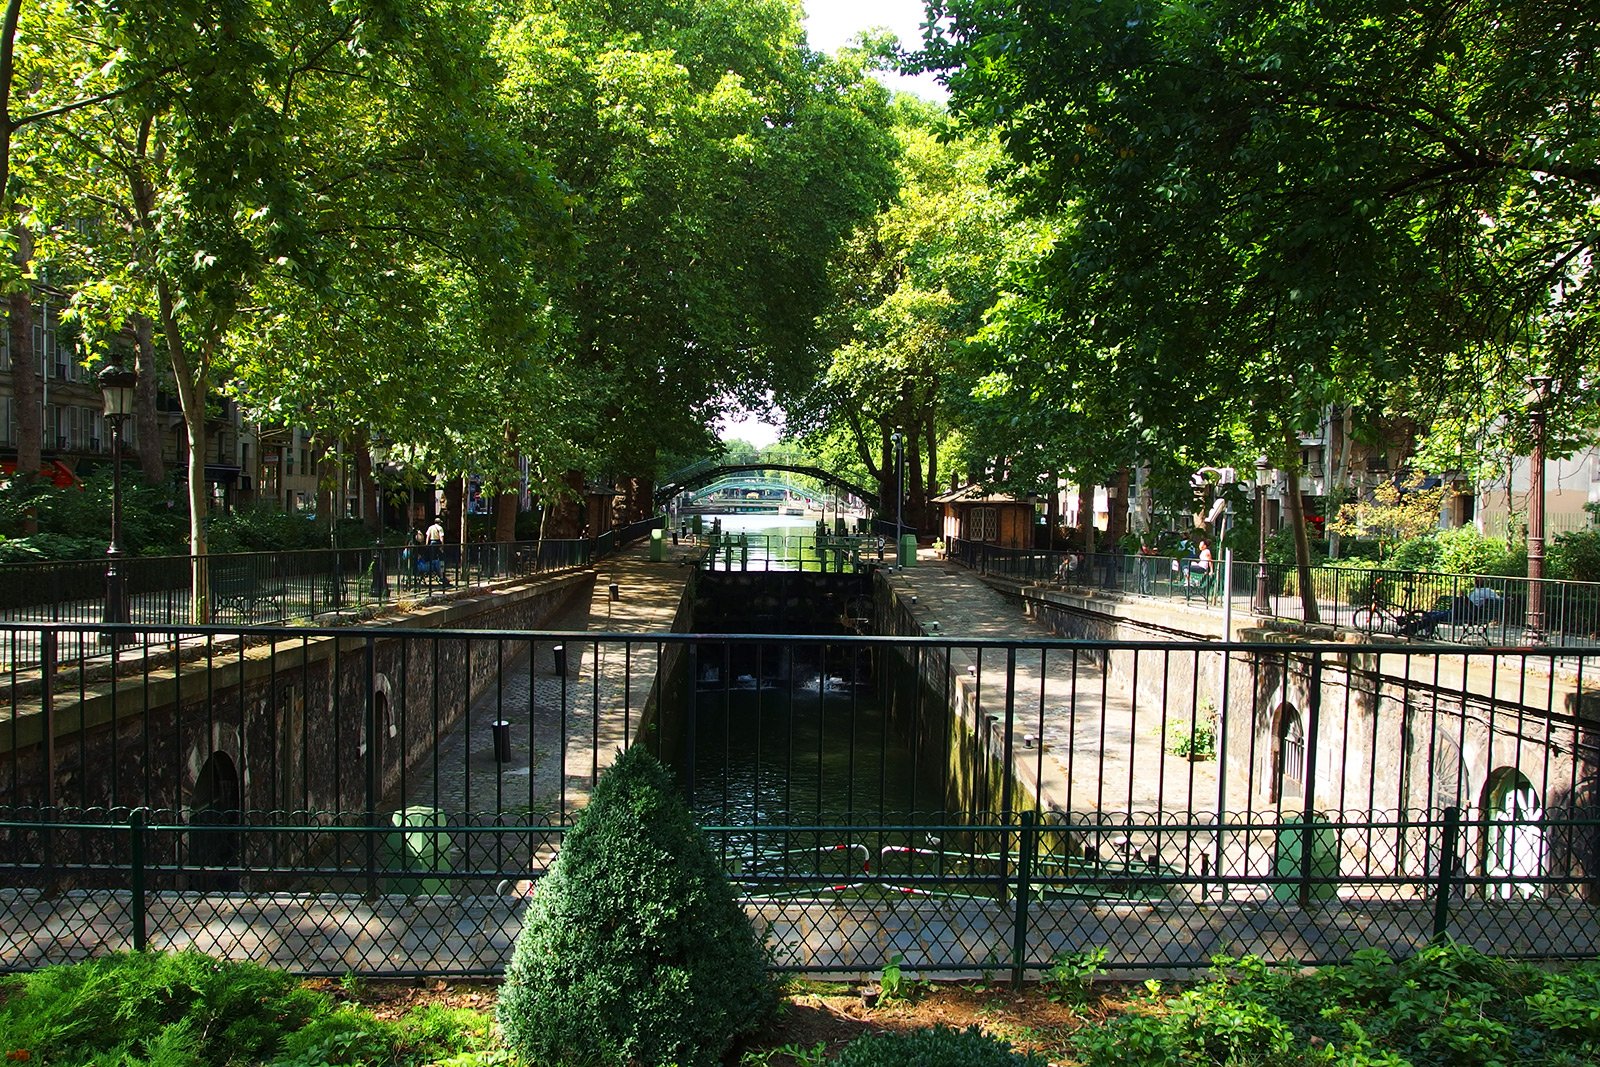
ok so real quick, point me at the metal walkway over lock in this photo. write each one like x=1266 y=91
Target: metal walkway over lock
x=697 y=475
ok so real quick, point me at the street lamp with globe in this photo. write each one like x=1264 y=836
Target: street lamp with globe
x=117 y=385
x=1263 y=598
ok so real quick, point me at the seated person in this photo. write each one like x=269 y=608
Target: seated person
x=1071 y=564
x=1478 y=603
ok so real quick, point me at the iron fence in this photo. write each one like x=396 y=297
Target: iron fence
x=1481 y=609
x=848 y=553
x=382 y=800
x=258 y=588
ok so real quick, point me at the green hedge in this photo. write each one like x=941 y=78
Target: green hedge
x=634 y=950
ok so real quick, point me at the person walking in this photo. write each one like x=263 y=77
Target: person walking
x=435 y=549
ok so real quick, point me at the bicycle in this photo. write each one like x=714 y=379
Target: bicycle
x=1378 y=615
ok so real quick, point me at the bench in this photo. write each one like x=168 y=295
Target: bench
x=1472 y=621
x=1469 y=623
x=234 y=584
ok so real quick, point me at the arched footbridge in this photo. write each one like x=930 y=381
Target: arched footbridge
x=710 y=472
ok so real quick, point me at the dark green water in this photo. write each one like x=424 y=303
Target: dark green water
x=767 y=760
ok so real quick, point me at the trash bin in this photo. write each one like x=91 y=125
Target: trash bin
x=908 y=550
x=1324 y=858
x=415 y=850
x=658 y=545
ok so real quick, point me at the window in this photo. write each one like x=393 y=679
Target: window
x=983 y=524
x=8 y=426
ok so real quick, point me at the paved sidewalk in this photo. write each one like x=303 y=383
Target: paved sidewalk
x=1101 y=750
x=554 y=719
x=332 y=933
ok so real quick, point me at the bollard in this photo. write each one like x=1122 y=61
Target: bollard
x=560 y=653
x=502 y=740
x=615 y=590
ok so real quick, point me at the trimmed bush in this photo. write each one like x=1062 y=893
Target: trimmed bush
x=634 y=950
x=939 y=1046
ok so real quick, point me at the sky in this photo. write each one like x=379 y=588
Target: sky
x=829 y=24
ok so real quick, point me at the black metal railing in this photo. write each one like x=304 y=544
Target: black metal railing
x=445 y=896
x=1481 y=609
x=261 y=588
x=848 y=553
x=254 y=789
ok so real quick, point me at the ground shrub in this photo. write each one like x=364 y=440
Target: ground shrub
x=1464 y=550
x=1446 y=1006
x=634 y=950
x=1575 y=556
x=188 y=1007
x=189 y=1010
x=938 y=1046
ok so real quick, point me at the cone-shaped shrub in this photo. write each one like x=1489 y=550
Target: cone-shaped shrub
x=634 y=950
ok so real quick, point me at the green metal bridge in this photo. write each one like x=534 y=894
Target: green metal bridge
x=704 y=475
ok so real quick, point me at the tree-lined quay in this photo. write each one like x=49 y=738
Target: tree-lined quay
x=518 y=262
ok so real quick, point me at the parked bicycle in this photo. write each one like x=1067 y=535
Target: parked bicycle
x=1381 y=615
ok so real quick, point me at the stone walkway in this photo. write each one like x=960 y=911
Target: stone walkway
x=1101 y=751
x=332 y=933
x=564 y=730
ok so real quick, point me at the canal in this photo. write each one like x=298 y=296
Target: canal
x=796 y=735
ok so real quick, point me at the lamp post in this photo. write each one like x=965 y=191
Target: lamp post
x=1540 y=390
x=116 y=388
x=1263 y=601
x=899 y=494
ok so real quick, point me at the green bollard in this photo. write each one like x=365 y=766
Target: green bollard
x=657 y=546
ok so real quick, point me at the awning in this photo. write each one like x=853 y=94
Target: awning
x=221 y=474
x=58 y=474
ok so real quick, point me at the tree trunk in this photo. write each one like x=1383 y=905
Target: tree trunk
x=917 y=504
x=505 y=503
x=146 y=421
x=455 y=506
x=1117 y=509
x=325 y=460
x=27 y=395
x=1052 y=508
x=371 y=497
x=505 y=516
x=1297 y=520
x=191 y=379
x=1339 y=477
x=930 y=514
x=1085 y=517
x=564 y=514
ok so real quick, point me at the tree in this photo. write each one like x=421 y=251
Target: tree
x=911 y=288
x=236 y=149
x=1265 y=212
x=717 y=165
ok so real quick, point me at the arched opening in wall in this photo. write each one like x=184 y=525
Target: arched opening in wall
x=380 y=750
x=215 y=802
x=1513 y=850
x=1288 y=755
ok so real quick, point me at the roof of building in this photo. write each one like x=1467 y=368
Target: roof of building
x=975 y=494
